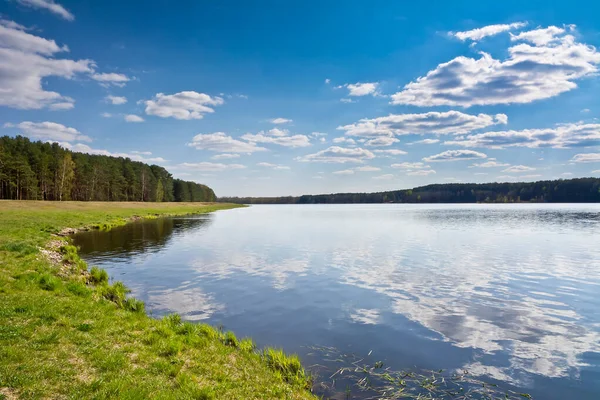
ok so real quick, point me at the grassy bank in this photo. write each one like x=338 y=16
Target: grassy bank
x=66 y=332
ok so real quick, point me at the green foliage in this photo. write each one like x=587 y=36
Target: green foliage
x=98 y=276
x=288 y=366
x=115 y=293
x=229 y=339
x=48 y=282
x=134 y=305
x=78 y=289
x=45 y=171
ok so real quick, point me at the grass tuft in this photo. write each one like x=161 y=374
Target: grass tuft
x=48 y=282
x=98 y=276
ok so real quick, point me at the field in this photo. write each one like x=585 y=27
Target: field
x=67 y=331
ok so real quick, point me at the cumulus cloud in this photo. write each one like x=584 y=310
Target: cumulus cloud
x=344 y=172
x=518 y=169
x=133 y=118
x=225 y=156
x=209 y=166
x=280 y=121
x=221 y=142
x=361 y=89
x=440 y=123
x=381 y=141
x=116 y=100
x=351 y=171
x=586 y=158
x=51 y=6
x=272 y=166
x=489 y=164
x=25 y=61
x=455 y=155
x=348 y=141
x=544 y=64
x=561 y=136
x=336 y=154
x=111 y=78
x=490 y=30
x=183 y=105
x=390 y=152
x=410 y=165
x=426 y=141
x=49 y=131
x=281 y=138
x=421 y=172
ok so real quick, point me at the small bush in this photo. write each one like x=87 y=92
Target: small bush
x=173 y=320
x=69 y=253
x=134 y=305
x=84 y=327
x=78 y=289
x=288 y=366
x=229 y=339
x=247 y=345
x=48 y=282
x=208 y=331
x=98 y=276
x=187 y=329
x=115 y=293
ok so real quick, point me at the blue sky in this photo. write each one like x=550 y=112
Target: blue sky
x=276 y=98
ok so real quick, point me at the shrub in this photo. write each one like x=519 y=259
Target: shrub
x=48 y=282
x=98 y=276
x=134 y=305
x=115 y=293
x=288 y=366
x=229 y=339
x=78 y=289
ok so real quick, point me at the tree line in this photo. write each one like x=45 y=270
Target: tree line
x=580 y=190
x=35 y=170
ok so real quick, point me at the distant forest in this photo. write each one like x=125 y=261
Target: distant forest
x=582 y=190
x=46 y=171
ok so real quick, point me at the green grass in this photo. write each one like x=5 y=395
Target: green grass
x=66 y=332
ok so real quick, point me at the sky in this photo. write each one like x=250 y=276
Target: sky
x=272 y=98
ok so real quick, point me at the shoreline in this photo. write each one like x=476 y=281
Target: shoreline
x=42 y=274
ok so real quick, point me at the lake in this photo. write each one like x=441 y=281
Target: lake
x=510 y=293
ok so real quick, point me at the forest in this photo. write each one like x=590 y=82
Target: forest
x=46 y=171
x=581 y=190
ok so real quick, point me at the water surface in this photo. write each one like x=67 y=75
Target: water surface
x=509 y=292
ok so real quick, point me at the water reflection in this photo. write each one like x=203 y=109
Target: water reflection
x=509 y=292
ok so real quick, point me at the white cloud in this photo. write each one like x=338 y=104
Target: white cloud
x=134 y=155
x=421 y=172
x=440 y=123
x=411 y=165
x=111 y=78
x=106 y=115
x=286 y=141
x=586 y=158
x=490 y=30
x=566 y=174
x=543 y=66
x=116 y=100
x=530 y=176
x=518 y=169
x=480 y=173
x=209 y=167
x=585 y=110
x=317 y=134
x=426 y=141
x=183 y=105
x=327 y=81
x=273 y=166
x=561 y=136
x=344 y=172
x=25 y=61
x=51 y=6
x=347 y=101
x=220 y=142
x=506 y=178
x=390 y=152
x=345 y=140
x=489 y=164
x=336 y=154
x=367 y=168
x=280 y=121
x=384 y=177
x=275 y=132
x=362 y=89
x=455 y=155
x=596 y=171
x=133 y=118
x=49 y=131
x=225 y=156
x=381 y=141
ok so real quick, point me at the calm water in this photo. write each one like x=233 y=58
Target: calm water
x=509 y=292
